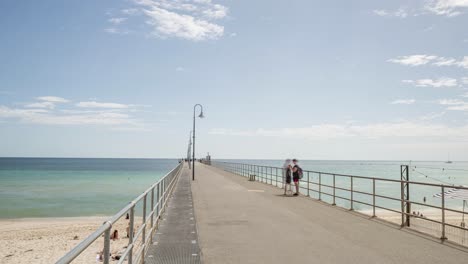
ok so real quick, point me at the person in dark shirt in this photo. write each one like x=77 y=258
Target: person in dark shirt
x=296 y=175
x=287 y=175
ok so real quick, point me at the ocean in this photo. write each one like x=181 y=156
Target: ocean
x=65 y=187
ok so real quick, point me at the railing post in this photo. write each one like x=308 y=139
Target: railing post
x=158 y=196
x=106 y=252
x=373 y=197
x=406 y=205
x=143 y=238
x=320 y=186
x=164 y=193
x=402 y=204
x=352 y=196
x=271 y=176
x=259 y=174
x=260 y=171
x=264 y=175
x=152 y=214
x=334 y=190
x=130 y=234
x=276 y=177
x=443 y=214
x=308 y=180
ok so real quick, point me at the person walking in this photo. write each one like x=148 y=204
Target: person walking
x=297 y=175
x=287 y=175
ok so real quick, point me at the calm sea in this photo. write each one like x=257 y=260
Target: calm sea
x=56 y=187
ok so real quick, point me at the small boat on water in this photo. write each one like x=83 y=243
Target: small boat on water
x=448 y=160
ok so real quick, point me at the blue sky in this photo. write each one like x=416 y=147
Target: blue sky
x=309 y=79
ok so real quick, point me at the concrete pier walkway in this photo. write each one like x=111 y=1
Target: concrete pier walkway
x=249 y=222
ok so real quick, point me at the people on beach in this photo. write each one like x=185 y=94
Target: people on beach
x=287 y=169
x=297 y=175
x=115 y=235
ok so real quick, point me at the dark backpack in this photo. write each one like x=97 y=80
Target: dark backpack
x=299 y=172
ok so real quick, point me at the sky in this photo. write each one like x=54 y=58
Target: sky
x=339 y=80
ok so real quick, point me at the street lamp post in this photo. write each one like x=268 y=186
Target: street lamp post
x=189 y=149
x=193 y=134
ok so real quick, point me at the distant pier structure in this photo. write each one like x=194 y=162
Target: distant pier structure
x=208 y=159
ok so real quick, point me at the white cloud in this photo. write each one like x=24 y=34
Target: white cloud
x=180 y=69
x=451 y=102
x=117 y=20
x=191 y=20
x=167 y=24
x=414 y=60
x=53 y=99
x=432 y=116
x=49 y=105
x=48 y=102
x=371 y=131
x=465 y=95
x=44 y=112
x=129 y=11
x=94 y=104
x=454 y=104
x=461 y=107
x=441 y=61
x=441 y=82
x=422 y=59
x=447 y=8
x=381 y=12
x=216 y=12
x=465 y=80
x=234 y=34
x=404 y=101
x=46 y=118
x=464 y=62
x=114 y=30
x=401 y=12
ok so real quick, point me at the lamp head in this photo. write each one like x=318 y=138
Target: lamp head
x=201 y=115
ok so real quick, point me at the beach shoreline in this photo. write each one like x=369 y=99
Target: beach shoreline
x=45 y=240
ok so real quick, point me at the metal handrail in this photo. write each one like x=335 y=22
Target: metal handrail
x=163 y=188
x=265 y=174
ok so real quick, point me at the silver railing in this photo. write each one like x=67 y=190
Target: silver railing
x=158 y=195
x=349 y=188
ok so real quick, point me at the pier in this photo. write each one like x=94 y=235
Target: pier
x=239 y=221
x=237 y=213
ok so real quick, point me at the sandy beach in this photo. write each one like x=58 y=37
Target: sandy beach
x=453 y=234
x=45 y=240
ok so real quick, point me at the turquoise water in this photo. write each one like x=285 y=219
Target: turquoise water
x=51 y=187
x=434 y=172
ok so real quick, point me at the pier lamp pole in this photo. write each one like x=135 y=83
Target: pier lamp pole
x=189 y=150
x=193 y=134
